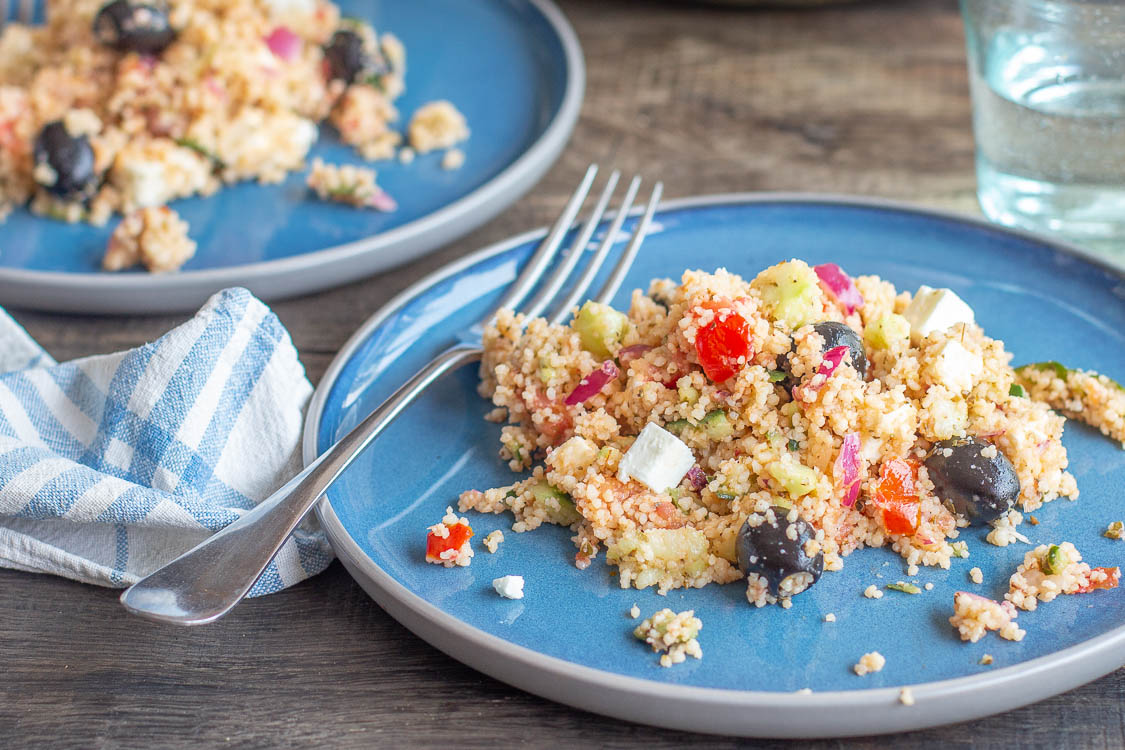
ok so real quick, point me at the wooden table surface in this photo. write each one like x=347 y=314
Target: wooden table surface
x=867 y=99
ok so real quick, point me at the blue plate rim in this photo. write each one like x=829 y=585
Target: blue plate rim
x=446 y=223
x=714 y=710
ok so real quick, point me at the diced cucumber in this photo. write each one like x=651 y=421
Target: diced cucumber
x=546 y=372
x=688 y=394
x=717 y=425
x=906 y=588
x=556 y=503
x=791 y=292
x=797 y=479
x=677 y=426
x=1055 y=560
x=600 y=328
x=885 y=331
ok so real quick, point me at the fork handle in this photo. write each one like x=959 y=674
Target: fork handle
x=204 y=583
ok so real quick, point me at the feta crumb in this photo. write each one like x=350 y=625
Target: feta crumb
x=873 y=592
x=635 y=612
x=872 y=662
x=830 y=617
x=509 y=587
x=933 y=310
x=976 y=576
x=906 y=696
x=956 y=367
x=492 y=541
x=657 y=459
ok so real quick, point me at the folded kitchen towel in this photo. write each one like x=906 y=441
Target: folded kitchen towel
x=113 y=465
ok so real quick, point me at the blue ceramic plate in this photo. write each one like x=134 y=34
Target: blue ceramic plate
x=513 y=67
x=570 y=638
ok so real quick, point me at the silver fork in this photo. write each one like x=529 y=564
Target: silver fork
x=25 y=12
x=206 y=582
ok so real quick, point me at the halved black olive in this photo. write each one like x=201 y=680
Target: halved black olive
x=834 y=334
x=349 y=60
x=978 y=487
x=130 y=26
x=64 y=163
x=770 y=551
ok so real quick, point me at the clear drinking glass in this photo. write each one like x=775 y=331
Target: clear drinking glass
x=1047 y=79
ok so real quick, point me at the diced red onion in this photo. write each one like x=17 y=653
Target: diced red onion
x=847 y=468
x=284 y=43
x=697 y=478
x=381 y=201
x=990 y=435
x=840 y=286
x=832 y=359
x=592 y=384
x=629 y=353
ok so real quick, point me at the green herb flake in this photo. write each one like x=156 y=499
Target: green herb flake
x=794 y=445
x=1017 y=390
x=724 y=495
x=776 y=376
x=906 y=588
x=1060 y=370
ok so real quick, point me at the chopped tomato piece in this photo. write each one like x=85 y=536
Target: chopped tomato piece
x=1108 y=579
x=458 y=534
x=724 y=344
x=897 y=496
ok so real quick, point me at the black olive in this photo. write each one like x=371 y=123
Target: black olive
x=837 y=334
x=976 y=487
x=70 y=160
x=834 y=334
x=349 y=60
x=133 y=26
x=768 y=551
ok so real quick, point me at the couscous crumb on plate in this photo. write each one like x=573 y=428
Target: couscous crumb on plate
x=492 y=540
x=974 y=615
x=673 y=633
x=868 y=663
x=156 y=238
x=1050 y=570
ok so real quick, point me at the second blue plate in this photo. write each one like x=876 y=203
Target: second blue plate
x=513 y=67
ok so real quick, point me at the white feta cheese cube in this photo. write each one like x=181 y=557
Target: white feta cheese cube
x=956 y=367
x=657 y=459
x=935 y=310
x=509 y=587
x=292 y=7
x=143 y=181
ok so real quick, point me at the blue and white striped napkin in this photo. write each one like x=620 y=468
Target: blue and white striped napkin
x=111 y=466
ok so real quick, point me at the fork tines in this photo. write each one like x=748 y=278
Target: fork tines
x=551 y=292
